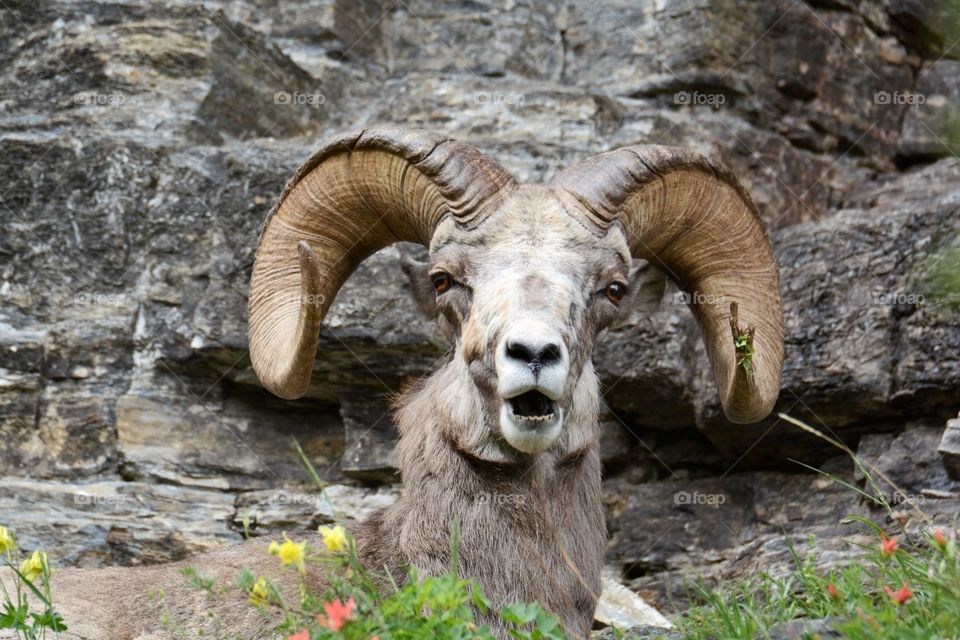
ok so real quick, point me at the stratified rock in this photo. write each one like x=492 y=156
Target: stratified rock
x=932 y=27
x=811 y=76
x=369 y=439
x=907 y=469
x=828 y=80
x=645 y=366
x=276 y=510
x=669 y=533
x=280 y=99
x=932 y=125
x=949 y=448
x=359 y=24
x=115 y=522
x=457 y=37
x=18 y=406
x=225 y=443
x=664 y=519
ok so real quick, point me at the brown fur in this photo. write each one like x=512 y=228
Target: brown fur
x=531 y=530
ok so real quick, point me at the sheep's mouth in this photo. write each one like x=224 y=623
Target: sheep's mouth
x=531 y=422
x=533 y=407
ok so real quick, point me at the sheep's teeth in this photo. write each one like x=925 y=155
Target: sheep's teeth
x=545 y=418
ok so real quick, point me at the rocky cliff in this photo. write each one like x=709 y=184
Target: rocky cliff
x=141 y=145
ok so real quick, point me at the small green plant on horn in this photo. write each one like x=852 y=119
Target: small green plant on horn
x=742 y=341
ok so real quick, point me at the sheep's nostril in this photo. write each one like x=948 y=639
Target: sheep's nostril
x=540 y=355
x=520 y=351
x=550 y=354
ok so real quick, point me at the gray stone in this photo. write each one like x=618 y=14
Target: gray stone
x=621 y=608
x=273 y=510
x=526 y=38
x=369 y=438
x=230 y=443
x=646 y=367
x=949 y=448
x=930 y=26
x=809 y=75
x=932 y=125
x=667 y=533
x=906 y=468
x=115 y=522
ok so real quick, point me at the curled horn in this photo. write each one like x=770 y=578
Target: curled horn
x=356 y=195
x=691 y=217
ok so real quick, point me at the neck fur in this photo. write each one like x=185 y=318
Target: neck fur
x=532 y=528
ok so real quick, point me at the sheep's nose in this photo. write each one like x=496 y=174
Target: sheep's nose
x=533 y=353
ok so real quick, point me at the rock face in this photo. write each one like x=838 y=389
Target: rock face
x=141 y=146
x=950 y=448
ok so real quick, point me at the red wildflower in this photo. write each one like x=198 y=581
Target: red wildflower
x=337 y=613
x=901 y=595
x=940 y=539
x=832 y=590
x=300 y=635
x=888 y=546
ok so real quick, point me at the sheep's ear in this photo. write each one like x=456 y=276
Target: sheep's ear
x=423 y=292
x=647 y=284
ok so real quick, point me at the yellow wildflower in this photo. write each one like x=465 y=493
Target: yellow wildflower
x=274 y=548
x=32 y=567
x=6 y=540
x=260 y=593
x=334 y=537
x=291 y=552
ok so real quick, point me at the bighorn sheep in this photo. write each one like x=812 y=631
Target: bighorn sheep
x=523 y=279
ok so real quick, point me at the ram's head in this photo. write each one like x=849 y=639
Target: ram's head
x=521 y=277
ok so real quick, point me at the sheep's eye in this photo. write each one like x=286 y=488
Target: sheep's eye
x=441 y=281
x=615 y=291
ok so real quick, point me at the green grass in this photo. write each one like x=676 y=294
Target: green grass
x=358 y=605
x=906 y=586
x=859 y=598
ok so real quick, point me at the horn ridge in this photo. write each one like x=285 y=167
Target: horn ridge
x=693 y=219
x=353 y=196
